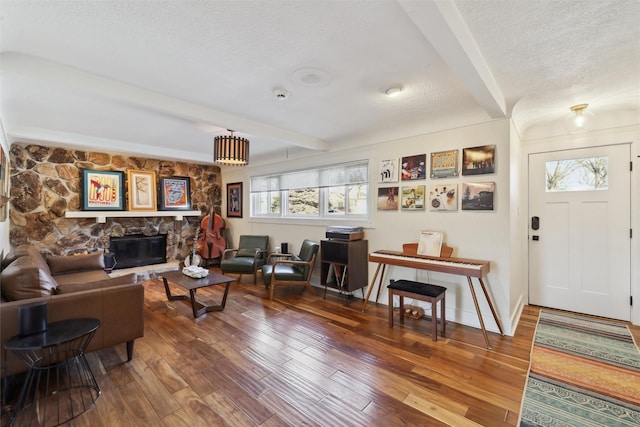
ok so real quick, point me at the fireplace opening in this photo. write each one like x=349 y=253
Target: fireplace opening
x=137 y=250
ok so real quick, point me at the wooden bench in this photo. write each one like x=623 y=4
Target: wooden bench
x=420 y=291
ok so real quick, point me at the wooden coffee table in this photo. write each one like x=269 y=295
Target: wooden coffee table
x=192 y=285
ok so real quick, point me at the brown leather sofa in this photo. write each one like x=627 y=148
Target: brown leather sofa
x=73 y=286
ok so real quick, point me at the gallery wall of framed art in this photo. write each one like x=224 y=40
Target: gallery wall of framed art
x=447 y=188
x=105 y=191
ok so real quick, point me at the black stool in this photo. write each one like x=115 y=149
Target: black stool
x=420 y=291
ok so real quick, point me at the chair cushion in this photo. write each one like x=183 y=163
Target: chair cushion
x=238 y=265
x=308 y=250
x=252 y=243
x=246 y=252
x=417 y=288
x=282 y=272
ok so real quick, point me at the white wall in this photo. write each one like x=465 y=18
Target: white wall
x=4 y=226
x=477 y=235
x=518 y=229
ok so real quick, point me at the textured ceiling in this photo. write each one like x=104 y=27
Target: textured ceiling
x=163 y=78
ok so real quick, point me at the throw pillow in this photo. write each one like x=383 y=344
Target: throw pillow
x=75 y=263
x=111 y=281
x=24 y=279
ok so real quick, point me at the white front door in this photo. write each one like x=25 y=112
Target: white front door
x=579 y=230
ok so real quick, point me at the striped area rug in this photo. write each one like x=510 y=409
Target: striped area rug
x=584 y=372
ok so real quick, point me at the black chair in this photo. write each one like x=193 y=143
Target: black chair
x=288 y=269
x=248 y=258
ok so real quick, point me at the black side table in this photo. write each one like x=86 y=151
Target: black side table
x=59 y=385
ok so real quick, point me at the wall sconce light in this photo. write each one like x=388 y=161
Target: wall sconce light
x=231 y=150
x=580 y=120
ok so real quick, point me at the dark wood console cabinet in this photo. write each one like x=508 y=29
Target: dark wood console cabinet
x=349 y=261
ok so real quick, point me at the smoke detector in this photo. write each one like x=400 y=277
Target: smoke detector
x=281 y=94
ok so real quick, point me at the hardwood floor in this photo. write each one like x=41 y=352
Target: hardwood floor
x=304 y=361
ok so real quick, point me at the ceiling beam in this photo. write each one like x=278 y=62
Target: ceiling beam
x=105 y=88
x=442 y=25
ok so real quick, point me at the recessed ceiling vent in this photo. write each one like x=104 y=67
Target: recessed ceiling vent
x=311 y=77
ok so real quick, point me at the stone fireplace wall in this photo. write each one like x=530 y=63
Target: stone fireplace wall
x=46 y=182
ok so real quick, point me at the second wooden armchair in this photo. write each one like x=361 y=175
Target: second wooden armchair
x=287 y=269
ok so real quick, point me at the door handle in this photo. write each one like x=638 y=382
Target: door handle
x=535 y=222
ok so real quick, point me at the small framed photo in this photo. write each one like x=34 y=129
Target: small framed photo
x=478 y=196
x=234 y=200
x=478 y=160
x=388 y=171
x=142 y=190
x=414 y=167
x=102 y=190
x=388 y=198
x=413 y=197
x=174 y=194
x=444 y=164
x=443 y=197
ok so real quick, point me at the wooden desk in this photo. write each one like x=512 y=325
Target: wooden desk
x=459 y=266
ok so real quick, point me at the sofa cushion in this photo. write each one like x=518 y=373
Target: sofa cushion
x=14 y=254
x=67 y=288
x=75 y=263
x=35 y=255
x=81 y=277
x=25 y=278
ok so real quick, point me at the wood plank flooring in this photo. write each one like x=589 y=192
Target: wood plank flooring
x=304 y=361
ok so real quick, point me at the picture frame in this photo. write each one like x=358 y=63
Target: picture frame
x=388 y=198
x=413 y=197
x=478 y=196
x=443 y=197
x=478 y=160
x=102 y=190
x=174 y=193
x=414 y=167
x=388 y=170
x=444 y=164
x=234 y=200
x=141 y=187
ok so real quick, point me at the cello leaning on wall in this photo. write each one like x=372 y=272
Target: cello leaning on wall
x=212 y=243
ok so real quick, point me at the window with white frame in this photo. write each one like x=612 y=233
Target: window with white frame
x=337 y=191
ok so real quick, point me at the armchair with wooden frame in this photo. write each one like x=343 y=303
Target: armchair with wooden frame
x=288 y=269
x=247 y=258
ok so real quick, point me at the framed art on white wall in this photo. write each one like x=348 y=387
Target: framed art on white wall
x=388 y=171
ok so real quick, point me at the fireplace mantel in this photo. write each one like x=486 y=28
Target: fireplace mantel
x=101 y=216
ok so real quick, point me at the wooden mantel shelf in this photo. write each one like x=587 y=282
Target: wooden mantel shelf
x=101 y=216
